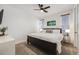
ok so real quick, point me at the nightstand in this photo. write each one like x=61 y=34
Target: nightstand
x=66 y=39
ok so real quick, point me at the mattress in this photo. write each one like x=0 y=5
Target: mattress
x=50 y=37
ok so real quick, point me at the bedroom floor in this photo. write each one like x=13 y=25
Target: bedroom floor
x=24 y=49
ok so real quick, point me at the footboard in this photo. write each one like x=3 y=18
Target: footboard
x=47 y=47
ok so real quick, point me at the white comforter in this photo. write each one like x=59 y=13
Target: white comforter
x=51 y=37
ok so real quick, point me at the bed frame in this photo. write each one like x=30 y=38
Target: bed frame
x=48 y=47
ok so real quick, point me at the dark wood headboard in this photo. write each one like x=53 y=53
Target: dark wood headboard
x=53 y=29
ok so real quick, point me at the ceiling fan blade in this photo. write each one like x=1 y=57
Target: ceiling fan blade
x=36 y=9
x=40 y=5
x=47 y=7
x=45 y=11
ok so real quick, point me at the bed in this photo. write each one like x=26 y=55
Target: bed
x=47 y=42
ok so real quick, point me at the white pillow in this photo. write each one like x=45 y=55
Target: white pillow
x=43 y=31
x=56 y=31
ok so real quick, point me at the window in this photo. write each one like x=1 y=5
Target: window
x=41 y=24
x=65 y=22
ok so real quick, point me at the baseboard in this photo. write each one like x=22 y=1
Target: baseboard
x=19 y=41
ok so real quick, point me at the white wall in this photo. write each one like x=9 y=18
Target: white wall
x=71 y=25
x=19 y=22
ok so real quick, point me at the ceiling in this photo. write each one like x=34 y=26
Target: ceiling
x=54 y=8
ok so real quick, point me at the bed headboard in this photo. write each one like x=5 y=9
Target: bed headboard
x=53 y=29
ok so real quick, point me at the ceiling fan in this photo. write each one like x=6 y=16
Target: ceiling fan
x=42 y=8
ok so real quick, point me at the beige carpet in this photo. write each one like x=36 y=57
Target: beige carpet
x=24 y=49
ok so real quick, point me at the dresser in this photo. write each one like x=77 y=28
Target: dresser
x=7 y=45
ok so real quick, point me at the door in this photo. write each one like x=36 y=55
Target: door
x=76 y=26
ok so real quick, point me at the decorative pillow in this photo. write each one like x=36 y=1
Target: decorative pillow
x=49 y=31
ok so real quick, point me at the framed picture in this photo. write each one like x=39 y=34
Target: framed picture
x=51 y=23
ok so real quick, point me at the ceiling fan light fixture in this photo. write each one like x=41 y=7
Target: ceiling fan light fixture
x=41 y=10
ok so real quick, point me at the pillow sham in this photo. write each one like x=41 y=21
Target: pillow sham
x=56 y=31
x=49 y=31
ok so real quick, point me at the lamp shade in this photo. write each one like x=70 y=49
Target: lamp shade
x=41 y=29
x=67 y=30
